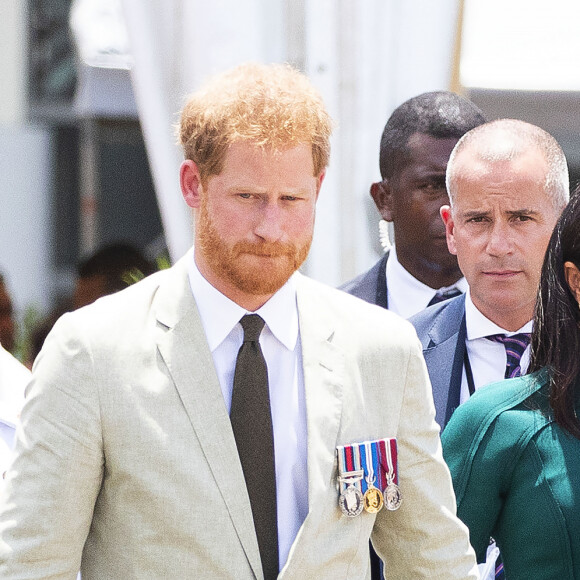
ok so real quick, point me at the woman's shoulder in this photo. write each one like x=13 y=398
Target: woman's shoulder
x=511 y=408
x=496 y=399
x=501 y=418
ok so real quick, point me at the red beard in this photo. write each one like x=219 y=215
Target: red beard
x=254 y=268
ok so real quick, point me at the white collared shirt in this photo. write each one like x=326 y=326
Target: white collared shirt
x=487 y=358
x=405 y=294
x=13 y=379
x=280 y=342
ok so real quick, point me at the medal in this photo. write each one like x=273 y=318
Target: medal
x=351 y=500
x=373 y=498
x=392 y=492
x=368 y=477
x=392 y=496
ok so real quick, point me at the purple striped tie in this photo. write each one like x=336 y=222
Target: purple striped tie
x=514 y=348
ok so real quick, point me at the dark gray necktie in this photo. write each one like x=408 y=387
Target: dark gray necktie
x=441 y=296
x=251 y=420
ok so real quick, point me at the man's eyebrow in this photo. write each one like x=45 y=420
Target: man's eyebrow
x=429 y=173
x=431 y=177
x=512 y=212
x=523 y=211
x=475 y=213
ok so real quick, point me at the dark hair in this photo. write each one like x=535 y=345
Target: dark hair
x=114 y=262
x=440 y=114
x=556 y=335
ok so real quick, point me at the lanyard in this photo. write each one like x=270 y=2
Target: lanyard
x=468 y=373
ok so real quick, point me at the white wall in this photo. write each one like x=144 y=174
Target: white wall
x=12 y=49
x=25 y=178
x=25 y=215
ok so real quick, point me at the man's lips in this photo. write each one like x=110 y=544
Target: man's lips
x=501 y=273
x=266 y=254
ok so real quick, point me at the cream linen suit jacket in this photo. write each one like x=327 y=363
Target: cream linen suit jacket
x=127 y=466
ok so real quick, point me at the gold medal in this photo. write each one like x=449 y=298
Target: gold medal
x=373 y=500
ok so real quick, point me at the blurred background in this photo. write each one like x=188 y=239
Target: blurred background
x=90 y=92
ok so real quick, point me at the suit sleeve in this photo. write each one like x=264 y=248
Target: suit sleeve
x=423 y=538
x=50 y=490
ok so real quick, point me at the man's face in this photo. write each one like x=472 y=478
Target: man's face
x=6 y=319
x=499 y=228
x=256 y=220
x=411 y=199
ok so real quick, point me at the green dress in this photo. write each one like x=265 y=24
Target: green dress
x=516 y=476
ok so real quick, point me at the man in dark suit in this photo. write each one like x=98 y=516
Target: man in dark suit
x=415 y=146
x=507 y=183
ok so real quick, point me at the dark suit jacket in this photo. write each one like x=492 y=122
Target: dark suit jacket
x=442 y=332
x=370 y=286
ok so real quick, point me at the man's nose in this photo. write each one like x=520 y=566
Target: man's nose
x=269 y=222
x=499 y=242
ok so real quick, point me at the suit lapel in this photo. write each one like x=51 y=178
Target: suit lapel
x=183 y=347
x=446 y=343
x=323 y=384
x=382 y=296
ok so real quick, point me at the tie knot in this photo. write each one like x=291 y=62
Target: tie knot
x=518 y=342
x=252 y=325
x=514 y=348
x=446 y=294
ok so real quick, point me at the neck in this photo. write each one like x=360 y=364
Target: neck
x=429 y=273
x=250 y=302
x=508 y=320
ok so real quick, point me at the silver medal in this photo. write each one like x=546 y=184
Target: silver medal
x=351 y=501
x=392 y=496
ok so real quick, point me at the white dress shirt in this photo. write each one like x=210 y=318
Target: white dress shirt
x=488 y=359
x=280 y=342
x=13 y=378
x=405 y=294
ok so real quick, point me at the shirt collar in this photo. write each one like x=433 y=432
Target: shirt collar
x=479 y=326
x=404 y=288
x=219 y=314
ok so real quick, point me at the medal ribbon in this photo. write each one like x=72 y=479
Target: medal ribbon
x=372 y=465
x=349 y=461
x=377 y=459
x=388 y=457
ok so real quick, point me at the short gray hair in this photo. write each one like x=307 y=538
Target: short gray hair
x=506 y=139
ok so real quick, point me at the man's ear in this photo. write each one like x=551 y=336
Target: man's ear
x=447 y=217
x=381 y=194
x=319 y=181
x=190 y=181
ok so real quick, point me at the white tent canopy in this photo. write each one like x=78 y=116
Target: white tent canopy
x=366 y=58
